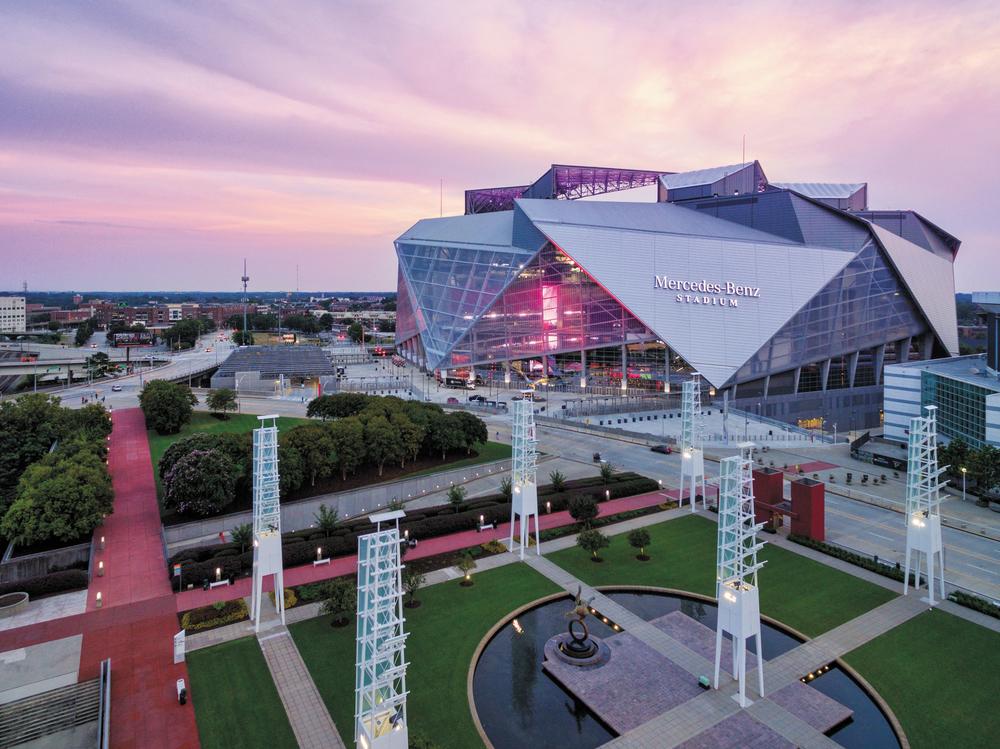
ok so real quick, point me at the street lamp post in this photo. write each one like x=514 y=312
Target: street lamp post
x=964 y=471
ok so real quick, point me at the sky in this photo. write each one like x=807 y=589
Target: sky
x=154 y=145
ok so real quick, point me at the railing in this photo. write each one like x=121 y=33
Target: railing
x=40 y=715
x=104 y=706
x=813 y=433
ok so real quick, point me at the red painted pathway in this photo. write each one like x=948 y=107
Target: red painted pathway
x=190 y=599
x=136 y=624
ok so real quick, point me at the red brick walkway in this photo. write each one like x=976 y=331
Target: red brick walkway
x=137 y=621
x=190 y=599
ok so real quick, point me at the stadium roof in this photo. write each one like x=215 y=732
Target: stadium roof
x=293 y=361
x=700 y=176
x=822 y=189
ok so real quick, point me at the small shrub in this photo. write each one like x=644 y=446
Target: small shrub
x=290 y=598
x=506 y=489
x=466 y=565
x=340 y=599
x=456 y=495
x=557 y=480
x=607 y=472
x=46 y=585
x=210 y=617
x=583 y=509
x=412 y=582
x=593 y=541
x=639 y=539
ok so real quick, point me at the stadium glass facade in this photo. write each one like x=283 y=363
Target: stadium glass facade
x=780 y=296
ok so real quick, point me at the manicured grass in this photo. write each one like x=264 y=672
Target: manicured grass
x=803 y=594
x=486 y=453
x=444 y=633
x=235 y=701
x=939 y=675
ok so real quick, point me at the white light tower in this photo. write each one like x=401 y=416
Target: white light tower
x=923 y=500
x=737 y=566
x=266 y=518
x=380 y=720
x=524 y=490
x=692 y=455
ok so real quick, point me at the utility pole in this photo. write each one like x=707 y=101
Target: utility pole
x=244 y=279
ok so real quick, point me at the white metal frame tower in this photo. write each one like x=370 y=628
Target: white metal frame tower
x=380 y=718
x=524 y=489
x=692 y=455
x=266 y=518
x=923 y=501
x=736 y=569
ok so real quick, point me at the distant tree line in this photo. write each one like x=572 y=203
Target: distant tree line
x=982 y=467
x=54 y=482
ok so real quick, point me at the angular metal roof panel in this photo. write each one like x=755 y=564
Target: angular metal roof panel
x=931 y=281
x=700 y=176
x=652 y=217
x=716 y=329
x=823 y=189
x=479 y=228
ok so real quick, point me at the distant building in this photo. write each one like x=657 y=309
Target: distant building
x=13 y=318
x=966 y=389
x=266 y=368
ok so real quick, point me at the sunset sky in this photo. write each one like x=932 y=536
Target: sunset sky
x=153 y=145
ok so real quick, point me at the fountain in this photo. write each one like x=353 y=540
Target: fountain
x=577 y=646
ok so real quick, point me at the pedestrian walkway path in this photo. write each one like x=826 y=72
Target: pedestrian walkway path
x=309 y=573
x=308 y=716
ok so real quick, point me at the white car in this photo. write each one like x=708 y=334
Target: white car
x=116 y=388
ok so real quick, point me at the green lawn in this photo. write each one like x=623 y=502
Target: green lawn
x=235 y=701
x=444 y=633
x=939 y=674
x=803 y=594
x=486 y=453
x=204 y=422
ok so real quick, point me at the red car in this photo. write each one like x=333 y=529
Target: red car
x=665 y=449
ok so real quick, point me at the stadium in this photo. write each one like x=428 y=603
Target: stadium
x=791 y=298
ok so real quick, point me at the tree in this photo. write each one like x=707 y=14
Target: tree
x=955 y=454
x=99 y=365
x=338 y=405
x=242 y=338
x=411 y=436
x=242 y=534
x=29 y=426
x=326 y=519
x=386 y=326
x=348 y=441
x=92 y=422
x=326 y=321
x=984 y=469
x=639 y=539
x=356 y=332
x=316 y=445
x=593 y=540
x=443 y=434
x=412 y=582
x=221 y=401
x=86 y=329
x=293 y=473
x=558 y=481
x=383 y=442
x=607 y=472
x=184 y=333
x=466 y=564
x=201 y=483
x=238 y=447
x=166 y=405
x=62 y=498
x=583 y=509
x=340 y=599
x=456 y=495
x=53 y=325
x=470 y=429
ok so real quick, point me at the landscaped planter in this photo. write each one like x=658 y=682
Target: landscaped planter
x=11 y=603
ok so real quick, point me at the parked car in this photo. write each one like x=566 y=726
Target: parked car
x=477 y=398
x=453 y=401
x=116 y=388
x=665 y=449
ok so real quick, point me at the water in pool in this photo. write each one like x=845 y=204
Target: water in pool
x=520 y=705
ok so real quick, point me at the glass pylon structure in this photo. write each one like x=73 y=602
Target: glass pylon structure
x=923 y=501
x=266 y=518
x=736 y=569
x=692 y=455
x=524 y=489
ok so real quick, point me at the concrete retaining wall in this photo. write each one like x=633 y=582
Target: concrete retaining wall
x=35 y=565
x=351 y=503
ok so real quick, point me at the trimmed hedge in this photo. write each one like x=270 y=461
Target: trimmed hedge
x=299 y=547
x=858 y=560
x=47 y=585
x=216 y=615
x=975 y=603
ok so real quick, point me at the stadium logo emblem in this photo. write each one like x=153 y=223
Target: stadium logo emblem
x=725 y=294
